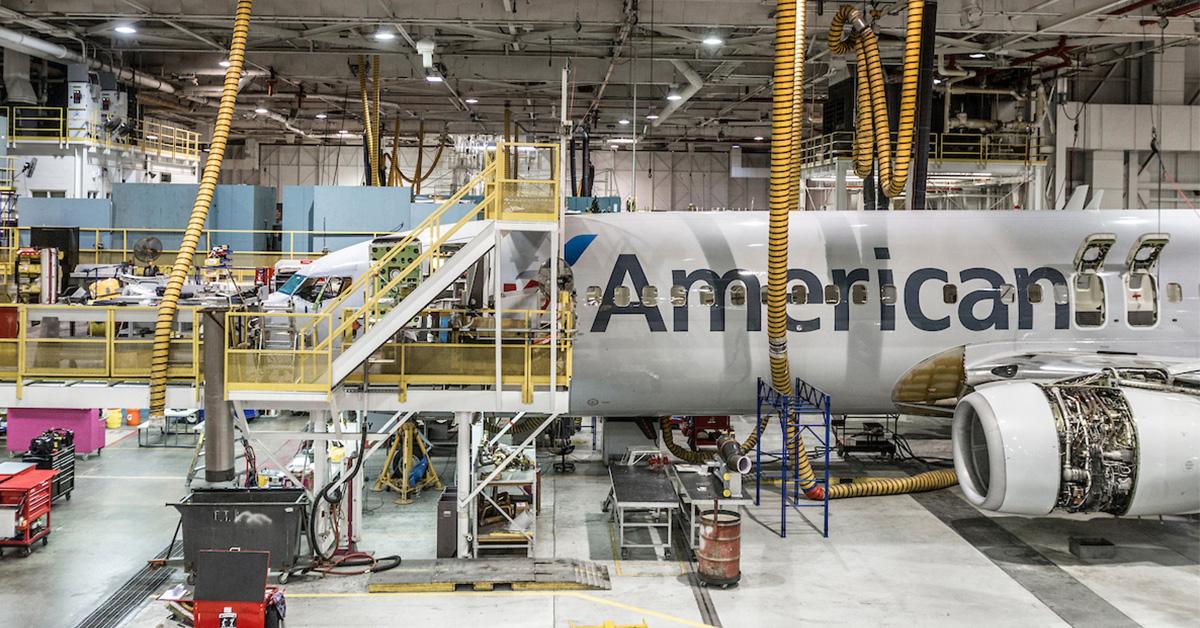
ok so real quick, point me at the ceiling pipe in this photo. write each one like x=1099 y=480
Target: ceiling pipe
x=694 y=85
x=43 y=49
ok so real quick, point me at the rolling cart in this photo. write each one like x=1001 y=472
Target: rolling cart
x=25 y=509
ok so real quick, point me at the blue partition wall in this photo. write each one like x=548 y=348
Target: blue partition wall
x=338 y=208
x=168 y=206
x=85 y=213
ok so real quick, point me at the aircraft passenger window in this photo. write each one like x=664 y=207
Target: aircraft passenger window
x=1035 y=293
x=1089 y=300
x=832 y=294
x=1008 y=293
x=799 y=294
x=706 y=296
x=1174 y=292
x=1141 y=300
x=887 y=294
x=950 y=293
x=737 y=294
x=621 y=296
x=858 y=294
x=1061 y=295
x=678 y=296
x=593 y=295
x=649 y=295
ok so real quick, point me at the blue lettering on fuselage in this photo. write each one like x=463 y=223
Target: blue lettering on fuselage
x=982 y=307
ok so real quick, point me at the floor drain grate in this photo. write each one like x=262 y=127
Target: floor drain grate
x=131 y=595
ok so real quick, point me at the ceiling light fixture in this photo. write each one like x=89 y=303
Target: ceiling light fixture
x=223 y=63
x=384 y=35
x=471 y=101
x=125 y=29
x=622 y=140
x=735 y=146
x=937 y=81
x=260 y=109
x=758 y=138
x=322 y=115
x=623 y=121
x=652 y=116
x=432 y=75
x=978 y=55
x=673 y=93
x=713 y=40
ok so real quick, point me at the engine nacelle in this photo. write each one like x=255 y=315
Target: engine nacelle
x=1029 y=448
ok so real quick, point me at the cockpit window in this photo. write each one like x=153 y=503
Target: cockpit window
x=292 y=284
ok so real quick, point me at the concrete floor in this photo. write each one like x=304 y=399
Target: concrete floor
x=907 y=560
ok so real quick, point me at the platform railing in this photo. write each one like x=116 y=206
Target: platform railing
x=995 y=147
x=29 y=123
x=111 y=343
x=252 y=362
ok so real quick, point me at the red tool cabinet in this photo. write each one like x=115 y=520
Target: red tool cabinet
x=26 y=496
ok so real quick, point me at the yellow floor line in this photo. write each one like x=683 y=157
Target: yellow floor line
x=587 y=597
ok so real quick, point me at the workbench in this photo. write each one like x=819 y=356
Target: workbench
x=641 y=499
x=697 y=489
x=178 y=429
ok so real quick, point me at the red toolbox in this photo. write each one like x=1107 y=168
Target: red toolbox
x=25 y=509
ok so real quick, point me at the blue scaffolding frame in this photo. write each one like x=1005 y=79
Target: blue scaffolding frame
x=806 y=410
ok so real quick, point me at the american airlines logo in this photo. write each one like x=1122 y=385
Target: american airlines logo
x=985 y=306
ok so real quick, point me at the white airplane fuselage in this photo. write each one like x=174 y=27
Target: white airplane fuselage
x=705 y=357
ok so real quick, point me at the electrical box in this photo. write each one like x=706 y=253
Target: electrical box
x=83 y=100
x=397 y=265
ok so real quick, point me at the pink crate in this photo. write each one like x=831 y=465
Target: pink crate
x=26 y=424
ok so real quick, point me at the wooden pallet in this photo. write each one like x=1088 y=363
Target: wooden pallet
x=521 y=574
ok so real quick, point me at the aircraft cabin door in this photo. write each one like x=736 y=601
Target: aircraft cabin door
x=1141 y=289
x=1087 y=285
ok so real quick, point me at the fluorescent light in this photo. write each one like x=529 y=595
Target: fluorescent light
x=433 y=78
x=735 y=146
x=652 y=116
x=622 y=140
x=623 y=121
x=383 y=35
x=223 y=63
x=673 y=96
x=977 y=55
x=343 y=132
x=937 y=81
x=260 y=109
x=713 y=40
x=125 y=29
x=471 y=101
x=151 y=137
x=322 y=115
x=758 y=138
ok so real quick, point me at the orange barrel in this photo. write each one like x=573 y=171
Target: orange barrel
x=720 y=551
x=133 y=417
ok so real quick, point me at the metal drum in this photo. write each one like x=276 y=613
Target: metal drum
x=720 y=551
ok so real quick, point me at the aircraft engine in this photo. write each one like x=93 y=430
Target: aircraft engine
x=1090 y=444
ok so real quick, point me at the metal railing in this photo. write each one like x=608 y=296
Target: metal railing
x=1023 y=147
x=27 y=123
x=115 y=245
x=8 y=174
x=112 y=343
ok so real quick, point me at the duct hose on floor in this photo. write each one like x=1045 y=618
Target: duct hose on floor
x=165 y=320
x=873 y=135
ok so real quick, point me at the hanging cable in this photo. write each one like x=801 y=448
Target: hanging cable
x=165 y=320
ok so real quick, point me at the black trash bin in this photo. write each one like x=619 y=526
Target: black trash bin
x=270 y=520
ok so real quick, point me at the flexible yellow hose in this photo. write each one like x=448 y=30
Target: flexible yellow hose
x=873 y=487
x=873 y=137
x=368 y=132
x=376 y=129
x=165 y=320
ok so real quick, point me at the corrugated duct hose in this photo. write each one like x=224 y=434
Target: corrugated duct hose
x=368 y=127
x=786 y=129
x=873 y=135
x=165 y=320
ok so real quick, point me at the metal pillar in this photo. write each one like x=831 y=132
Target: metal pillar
x=841 y=196
x=218 y=422
x=462 y=478
x=920 y=169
